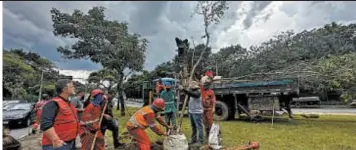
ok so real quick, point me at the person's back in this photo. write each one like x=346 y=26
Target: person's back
x=138 y=119
x=195 y=104
x=144 y=118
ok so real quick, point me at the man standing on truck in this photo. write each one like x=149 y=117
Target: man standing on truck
x=169 y=98
x=209 y=101
x=59 y=121
x=195 y=110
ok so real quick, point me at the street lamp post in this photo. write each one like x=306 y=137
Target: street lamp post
x=40 y=93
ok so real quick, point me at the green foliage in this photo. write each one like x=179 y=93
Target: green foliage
x=100 y=40
x=341 y=73
x=22 y=74
x=104 y=75
x=301 y=134
x=16 y=73
x=320 y=58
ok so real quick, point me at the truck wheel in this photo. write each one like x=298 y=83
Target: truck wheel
x=221 y=111
x=298 y=105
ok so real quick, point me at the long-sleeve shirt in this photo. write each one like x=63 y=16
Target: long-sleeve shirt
x=49 y=112
x=195 y=105
x=170 y=101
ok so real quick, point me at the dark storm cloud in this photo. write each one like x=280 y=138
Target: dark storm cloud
x=28 y=24
x=256 y=8
x=145 y=19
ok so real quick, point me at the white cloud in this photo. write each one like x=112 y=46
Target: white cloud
x=78 y=75
x=283 y=16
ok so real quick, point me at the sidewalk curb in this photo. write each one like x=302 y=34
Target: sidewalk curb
x=23 y=136
x=319 y=113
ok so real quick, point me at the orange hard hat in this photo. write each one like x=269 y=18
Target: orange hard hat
x=159 y=103
x=96 y=92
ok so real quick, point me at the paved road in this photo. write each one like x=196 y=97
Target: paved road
x=341 y=111
x=18 y=132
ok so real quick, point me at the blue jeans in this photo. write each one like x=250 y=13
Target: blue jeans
x=196 y=124
x=170 y=118
x=68 y=146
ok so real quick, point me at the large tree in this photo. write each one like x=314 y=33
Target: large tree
x=102 y=41
x=212 y=12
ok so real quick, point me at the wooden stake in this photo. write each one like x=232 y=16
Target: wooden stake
x=150 y=96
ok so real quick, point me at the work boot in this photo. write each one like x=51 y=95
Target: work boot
x=195 y=146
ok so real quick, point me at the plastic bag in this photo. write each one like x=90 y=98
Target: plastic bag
x=176 y=142
x=215 y=141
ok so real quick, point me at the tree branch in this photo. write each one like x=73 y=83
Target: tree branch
x=193 y=51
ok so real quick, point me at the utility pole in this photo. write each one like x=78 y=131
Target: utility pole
x=40 y=93
x=216 y=67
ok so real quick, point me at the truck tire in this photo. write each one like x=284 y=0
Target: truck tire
x=221 y=111
x=297 y=105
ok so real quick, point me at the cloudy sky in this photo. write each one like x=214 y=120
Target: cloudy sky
x=28 y=25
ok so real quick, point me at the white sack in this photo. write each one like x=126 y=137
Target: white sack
x=215 y=137
x=175 y=142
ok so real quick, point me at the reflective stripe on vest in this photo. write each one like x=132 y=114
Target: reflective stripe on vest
x=169 y=102
x=133 y=118
x=88 y=122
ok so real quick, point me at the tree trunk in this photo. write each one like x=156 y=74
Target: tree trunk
x=121 y=101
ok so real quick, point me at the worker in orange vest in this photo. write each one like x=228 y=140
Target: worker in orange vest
x=144 y=118
x=59 y=120
x=90 y=123
x=209 y=101
x=38 y=109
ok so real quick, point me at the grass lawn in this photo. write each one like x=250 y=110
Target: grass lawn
x=328 y=132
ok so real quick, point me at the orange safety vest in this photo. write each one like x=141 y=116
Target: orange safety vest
x=138 y=119
x=66 y=123
x=91 y=115
x=206 y=95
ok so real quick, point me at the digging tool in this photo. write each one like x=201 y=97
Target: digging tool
x=101 y=118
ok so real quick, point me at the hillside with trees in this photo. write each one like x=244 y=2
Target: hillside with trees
x=22 y=75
